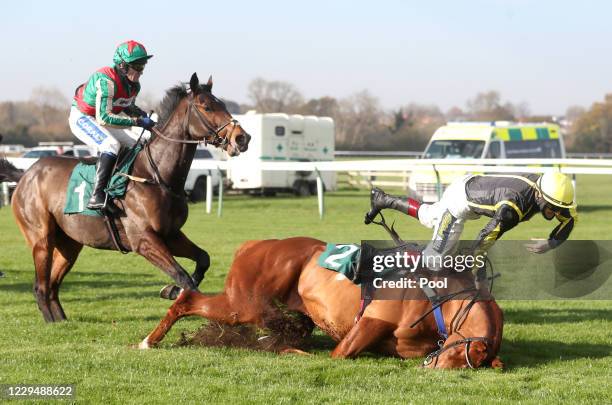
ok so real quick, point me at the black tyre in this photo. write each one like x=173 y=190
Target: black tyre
x=301 y=189
x=313 y=187
x=199 y=190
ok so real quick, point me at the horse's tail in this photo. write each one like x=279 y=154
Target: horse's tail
x=8 y=172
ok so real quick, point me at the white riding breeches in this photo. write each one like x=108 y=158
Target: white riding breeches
x=102 y=138
x=447 y=218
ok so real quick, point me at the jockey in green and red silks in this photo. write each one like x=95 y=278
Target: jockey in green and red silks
x=104 y=110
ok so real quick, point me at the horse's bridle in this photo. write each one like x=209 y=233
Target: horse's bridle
x=435 y=355
x=436 y=304
x=217 y=140
x=457 y=320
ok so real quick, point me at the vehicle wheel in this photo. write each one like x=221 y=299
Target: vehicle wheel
x=313 y=187
x=199 y=190
x=301 y=189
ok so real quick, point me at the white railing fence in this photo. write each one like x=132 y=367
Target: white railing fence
x=403 y=167
x=360 y=172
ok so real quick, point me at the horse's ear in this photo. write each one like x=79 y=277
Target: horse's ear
x=194 y=83
x=209 y=83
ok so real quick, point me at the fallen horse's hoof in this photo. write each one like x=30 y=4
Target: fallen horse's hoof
x=170 y=292
x=293 y=350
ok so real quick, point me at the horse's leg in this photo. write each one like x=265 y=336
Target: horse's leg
x=64 y=255
x=364 y=333
x=216 y=308
x=42 y=251
x=181 y=246
x=152 y=247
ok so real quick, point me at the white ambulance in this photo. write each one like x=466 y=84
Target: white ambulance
x=480 y=140
x=281 y=137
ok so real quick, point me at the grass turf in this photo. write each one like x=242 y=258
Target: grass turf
x=554 y=350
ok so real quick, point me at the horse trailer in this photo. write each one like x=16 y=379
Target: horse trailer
x=283 y=137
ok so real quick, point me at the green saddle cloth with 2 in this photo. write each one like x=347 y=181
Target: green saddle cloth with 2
x=341 y=258
x=80 y=185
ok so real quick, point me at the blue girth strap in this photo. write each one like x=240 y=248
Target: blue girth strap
x=440 y=322
x=436 y=305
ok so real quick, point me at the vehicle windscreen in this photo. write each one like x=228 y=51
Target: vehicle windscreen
x=202 y=154
x=541 y=148
x=82 y=152
x=39 y=153
x=454 y=149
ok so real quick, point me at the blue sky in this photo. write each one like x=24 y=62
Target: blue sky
x=549 y=54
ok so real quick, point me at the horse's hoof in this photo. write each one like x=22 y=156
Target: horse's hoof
x=144 y=345
x=293 y=350
x=170 y=292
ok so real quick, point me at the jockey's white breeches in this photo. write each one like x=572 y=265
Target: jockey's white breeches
x=103 y=139
x=447 y=218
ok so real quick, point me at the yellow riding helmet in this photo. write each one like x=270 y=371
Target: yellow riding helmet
x=557 y=189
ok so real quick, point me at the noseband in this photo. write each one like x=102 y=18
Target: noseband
x=436 y=303
x=214 y=137
x=435 y=355
x=217 y=140
x=214 y=133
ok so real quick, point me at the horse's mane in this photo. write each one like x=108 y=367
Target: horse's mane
x=6 y=165
x=171 y=99
x=8 y=171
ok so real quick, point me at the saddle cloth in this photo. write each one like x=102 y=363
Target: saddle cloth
x=80 y=185
x=342 y=259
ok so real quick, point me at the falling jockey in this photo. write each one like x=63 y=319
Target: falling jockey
x=506 y=198
x=103 y=111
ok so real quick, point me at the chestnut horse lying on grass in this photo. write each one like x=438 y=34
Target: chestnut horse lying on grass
x=266 y=273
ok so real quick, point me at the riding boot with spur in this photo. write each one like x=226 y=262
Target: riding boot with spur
x=380 y=200
x=106 y=163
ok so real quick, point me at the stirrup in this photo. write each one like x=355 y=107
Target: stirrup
x=97 y=205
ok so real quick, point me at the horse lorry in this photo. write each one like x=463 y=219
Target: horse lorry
x=281 y=138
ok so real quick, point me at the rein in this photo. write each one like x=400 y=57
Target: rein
x=214 y=133
x=436 y=307
x=217 y=140
x=467 y=341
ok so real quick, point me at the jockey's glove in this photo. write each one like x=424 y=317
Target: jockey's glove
x=145 y=122
x=538 y=246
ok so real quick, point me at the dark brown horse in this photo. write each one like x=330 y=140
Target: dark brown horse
x=266 y=273
x=8 y=172
x=151 y=214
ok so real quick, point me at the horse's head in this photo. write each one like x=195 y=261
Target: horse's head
x=208 y=119
x=459 y=353
x=475 y=338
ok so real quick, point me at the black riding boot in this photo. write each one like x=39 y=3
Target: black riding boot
x=380 y=200
x=106 y=163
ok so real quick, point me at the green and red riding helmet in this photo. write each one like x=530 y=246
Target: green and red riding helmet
x=131 y=52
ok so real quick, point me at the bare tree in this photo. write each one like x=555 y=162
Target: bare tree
x=322 y=107
x=574 y=112
x=48 y=101
x=359 y=117
x=49 y=97
x=275 y=96
x=487 y=106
